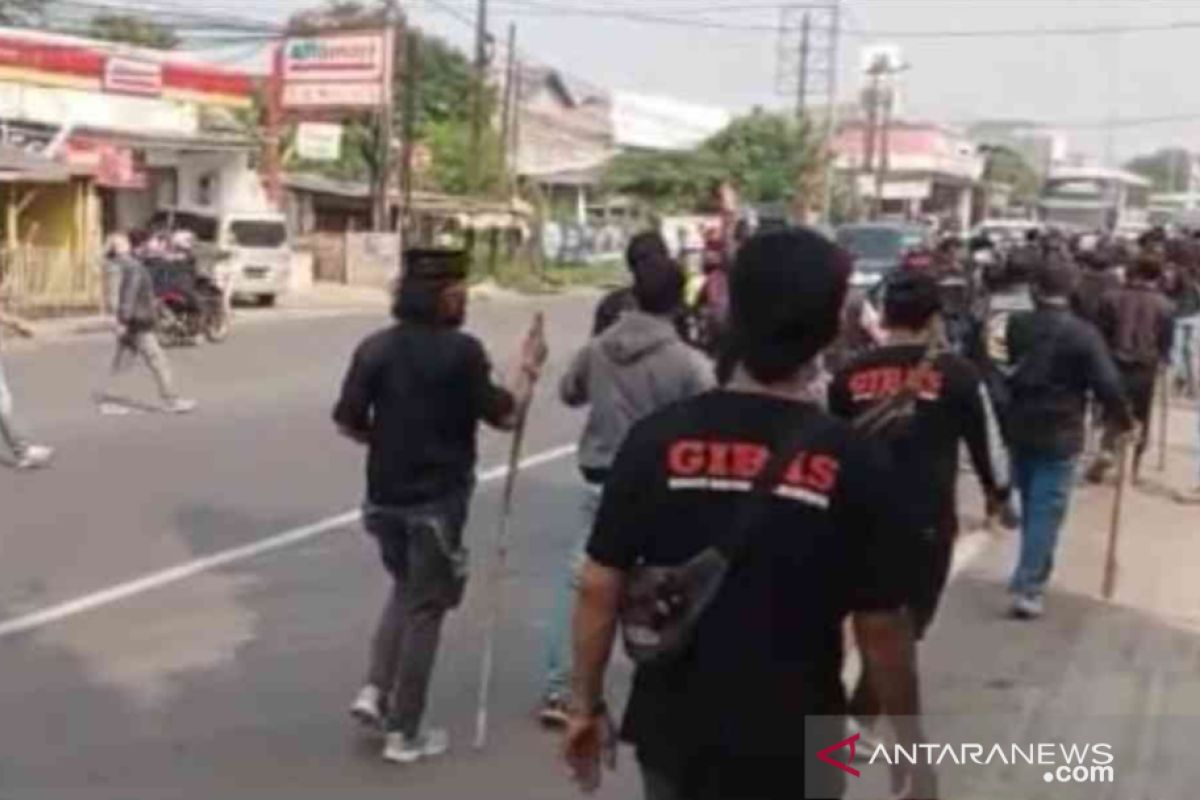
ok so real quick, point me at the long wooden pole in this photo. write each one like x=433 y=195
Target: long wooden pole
x=1164 y=413
x=1109 y=585
x=500 y=559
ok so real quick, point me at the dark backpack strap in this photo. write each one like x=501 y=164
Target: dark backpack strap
x=734 y=544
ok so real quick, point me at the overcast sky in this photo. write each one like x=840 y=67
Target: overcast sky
x=1077 y=81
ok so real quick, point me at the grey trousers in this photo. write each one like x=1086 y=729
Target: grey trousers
x=144 y=345
x=9 y=432
x=421 y=547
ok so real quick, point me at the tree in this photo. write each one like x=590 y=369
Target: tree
x=667 y=181
x=133 y=29
x=1007 y=166
x=768 y=157
x=1169 y=169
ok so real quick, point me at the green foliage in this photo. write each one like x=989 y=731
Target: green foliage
x=667 y=181
x=1169 y=168
x=133 y=29
x=1007 y=166
x=450 y=143
x=767 y=157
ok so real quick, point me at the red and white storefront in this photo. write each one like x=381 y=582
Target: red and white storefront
x=136 y=129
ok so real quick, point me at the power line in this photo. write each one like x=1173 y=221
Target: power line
x=540 y=8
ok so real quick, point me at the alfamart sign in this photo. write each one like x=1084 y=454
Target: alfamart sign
x=341 y=70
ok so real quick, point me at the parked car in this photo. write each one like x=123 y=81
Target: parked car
x=879 y=247
x=257 y=255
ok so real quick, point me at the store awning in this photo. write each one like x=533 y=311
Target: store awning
x=20 y=166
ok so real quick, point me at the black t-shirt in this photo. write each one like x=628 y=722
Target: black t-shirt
x=769 y=648
x=419 y=392
x=952 y=407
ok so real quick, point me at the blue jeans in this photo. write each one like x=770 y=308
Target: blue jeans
x=1044 y=483
x=558 y=636
x=1184 y=358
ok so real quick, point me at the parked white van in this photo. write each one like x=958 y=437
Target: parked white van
x=257 y=254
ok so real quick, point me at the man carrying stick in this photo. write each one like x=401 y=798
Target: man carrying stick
x=1138 y=323
x=415 y=395
x=1057 y=359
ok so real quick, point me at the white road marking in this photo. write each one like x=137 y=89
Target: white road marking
x=969 y=547
x=180 y=572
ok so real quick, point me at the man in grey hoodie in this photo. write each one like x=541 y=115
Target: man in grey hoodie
x=635 y=367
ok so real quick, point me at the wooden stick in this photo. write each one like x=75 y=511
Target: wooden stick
x=500 y=559
x=1114 y=531
x=1163 y=417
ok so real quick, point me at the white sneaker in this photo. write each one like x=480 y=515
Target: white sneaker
x=180 y=406
x=1027 y=607
x=368 y=707
x=35 y=456
x=111 y=409
x=399 y=749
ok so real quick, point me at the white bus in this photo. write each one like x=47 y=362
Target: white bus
x=1091 y=199
x=1175 y=208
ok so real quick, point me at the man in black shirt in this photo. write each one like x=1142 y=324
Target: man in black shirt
x=1056 y=360
x=415 y=395
x=1138 y=323
x=726 y=718
x=949 y=406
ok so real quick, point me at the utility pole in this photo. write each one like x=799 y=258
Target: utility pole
x=506 y=124
x=884 y=101
x=806 y=73
x=870 y=129
x=412 y=88
x=802 y=77
x=474 y=167
x=387 y=113
x=835 y=31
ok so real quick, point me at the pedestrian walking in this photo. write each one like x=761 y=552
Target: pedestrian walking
x=643 y=247
x=924 y=403
x=634 y=368
x=800 y=511
x=137 y=315
x=415 y=394
x=27 y=455
x=1183 y=289
x=1056 y=360
x=1137 y=322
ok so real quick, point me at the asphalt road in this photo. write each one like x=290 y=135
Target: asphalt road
x=185 y=605
x=234 y=682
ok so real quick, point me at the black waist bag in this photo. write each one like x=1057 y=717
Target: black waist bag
x=662 y=605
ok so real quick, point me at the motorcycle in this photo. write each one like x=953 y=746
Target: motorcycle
x=191 y=304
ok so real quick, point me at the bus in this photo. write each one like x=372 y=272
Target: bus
x=1094 y=199
x=1180 y=209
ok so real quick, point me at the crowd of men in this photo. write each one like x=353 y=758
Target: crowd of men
x=737 y=510
x=733 y=516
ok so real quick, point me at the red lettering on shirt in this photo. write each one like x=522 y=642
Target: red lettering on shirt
x=748 y=460
x=718 y=454
x=877 y=383
x=686 y=458
x=692 y=464
x=823 y=473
